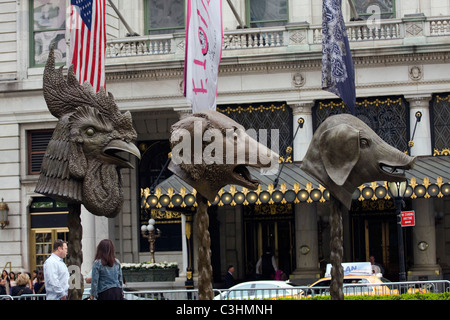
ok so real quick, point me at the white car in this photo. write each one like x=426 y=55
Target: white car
x=257 y=290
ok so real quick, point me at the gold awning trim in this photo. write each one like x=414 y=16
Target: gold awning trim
x=295 y=194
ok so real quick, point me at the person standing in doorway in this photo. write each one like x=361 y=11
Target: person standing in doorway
x=266 y=267
x=56 y=273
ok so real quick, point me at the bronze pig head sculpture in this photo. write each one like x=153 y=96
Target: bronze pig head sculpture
x=210 y=166
x=82 y=162
x=345 y=153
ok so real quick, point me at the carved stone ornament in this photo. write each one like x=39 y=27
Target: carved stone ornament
x=298 y=79
x=415 y=72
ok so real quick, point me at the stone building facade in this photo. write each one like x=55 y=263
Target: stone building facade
x=269 y=77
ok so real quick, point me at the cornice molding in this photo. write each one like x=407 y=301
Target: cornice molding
x=291 y=63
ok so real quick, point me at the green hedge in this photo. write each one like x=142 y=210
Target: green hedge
x=417 y=296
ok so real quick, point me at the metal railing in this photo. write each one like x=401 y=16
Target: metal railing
x=387 y=288
x=296 y=292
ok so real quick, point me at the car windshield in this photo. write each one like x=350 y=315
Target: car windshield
x=348 y=288
x=256 y=291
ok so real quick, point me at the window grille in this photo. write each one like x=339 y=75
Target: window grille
x=388 y=117
x=378 y=9
x=165 y=16
x=440 y=124
x=267 y=13
x=47 y=28
x=37 y=145
x=267 y=116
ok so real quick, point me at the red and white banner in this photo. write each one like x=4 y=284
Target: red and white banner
x=204 y=36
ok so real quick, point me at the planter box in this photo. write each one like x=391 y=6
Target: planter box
x=150 y=275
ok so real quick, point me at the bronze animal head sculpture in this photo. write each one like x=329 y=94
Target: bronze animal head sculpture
x=345 y=153
x=82 y=162
x=209 y=167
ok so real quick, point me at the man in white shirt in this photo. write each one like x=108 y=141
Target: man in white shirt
x=56 y=274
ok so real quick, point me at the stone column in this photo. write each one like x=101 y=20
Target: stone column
x=183 y=112
x=306 y=244
x=95 y=229
x=424 y=243
x=302 y=109
x=422 y=136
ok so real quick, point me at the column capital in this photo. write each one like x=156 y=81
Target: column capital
x=418 y=100
x=301 y=106
x=183 y=111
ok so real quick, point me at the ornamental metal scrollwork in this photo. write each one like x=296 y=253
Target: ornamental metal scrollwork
x=440 y=119
x=388 y=117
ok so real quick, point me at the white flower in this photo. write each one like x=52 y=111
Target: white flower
x=149 y=265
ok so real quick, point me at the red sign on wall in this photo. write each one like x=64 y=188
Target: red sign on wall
x=408 y=218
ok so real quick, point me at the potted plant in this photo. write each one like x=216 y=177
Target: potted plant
x=150 y=271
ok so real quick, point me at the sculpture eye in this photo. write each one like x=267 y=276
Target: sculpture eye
x=90 y=131
x=364 y=143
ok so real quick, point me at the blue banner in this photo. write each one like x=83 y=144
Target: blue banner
x=338 y=74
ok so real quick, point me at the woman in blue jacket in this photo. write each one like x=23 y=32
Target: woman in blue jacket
x=107 y=282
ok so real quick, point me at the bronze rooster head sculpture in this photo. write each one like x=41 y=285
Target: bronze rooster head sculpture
x=84 y=156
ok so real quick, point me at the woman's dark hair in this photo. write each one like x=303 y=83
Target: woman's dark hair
x=40 y=276
x=105 y=252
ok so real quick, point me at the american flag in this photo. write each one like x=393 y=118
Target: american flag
x=88 y=41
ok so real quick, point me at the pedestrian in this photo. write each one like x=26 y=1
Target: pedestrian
x=34 y=277
x=266 y=266
x=376 y=267
x=229 y=279
x=21 y=285
x=12 y=279
x=106 y=281
x=39 y=285
x=4 y=283
x=56 y=273
x=30 y=281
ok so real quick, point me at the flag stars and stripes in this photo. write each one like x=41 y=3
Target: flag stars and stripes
x=88 y=41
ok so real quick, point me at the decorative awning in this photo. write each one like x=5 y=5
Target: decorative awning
x=429 y=178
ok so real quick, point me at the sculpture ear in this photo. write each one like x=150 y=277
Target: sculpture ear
x=339 y=150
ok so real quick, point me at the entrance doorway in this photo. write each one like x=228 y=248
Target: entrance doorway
x=42 y=244
x=269 y=227
x=374 y=233
x=48 y=222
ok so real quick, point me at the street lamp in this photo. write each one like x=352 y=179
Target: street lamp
x=397 y=191
x=149 y=232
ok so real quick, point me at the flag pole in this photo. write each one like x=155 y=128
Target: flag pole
x=300 y=122
x=238 y=18
x=131 y=33
x=354 y=12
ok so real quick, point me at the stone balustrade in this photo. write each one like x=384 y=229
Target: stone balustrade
x=292 y=37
